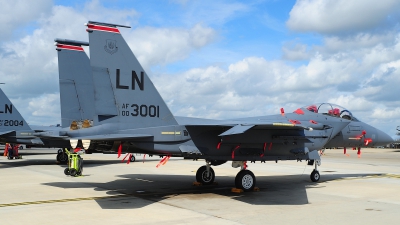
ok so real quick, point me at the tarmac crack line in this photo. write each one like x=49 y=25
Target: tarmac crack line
x=395 y=176
x=62 y=200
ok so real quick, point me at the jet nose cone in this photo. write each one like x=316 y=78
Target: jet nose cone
x=383 y=139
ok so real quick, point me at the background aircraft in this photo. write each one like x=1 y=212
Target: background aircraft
x=14 y=129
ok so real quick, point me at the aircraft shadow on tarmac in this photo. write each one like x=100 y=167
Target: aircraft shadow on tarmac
x=139 y=190
x=45 y=162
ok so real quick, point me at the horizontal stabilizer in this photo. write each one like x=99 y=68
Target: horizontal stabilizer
x=50 y=135
x=238 y=129
x=71 y=42
x=6 y=132
x=107 y=24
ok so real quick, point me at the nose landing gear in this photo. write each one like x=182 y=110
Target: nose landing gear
x=314 y=176
x=205 y=174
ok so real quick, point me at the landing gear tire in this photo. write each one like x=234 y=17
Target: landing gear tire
x=245 y=180
x=66 y=171
x=73 y=172
x=315 y=176
x=62 y=157
x=202 y=176
x=132 y=159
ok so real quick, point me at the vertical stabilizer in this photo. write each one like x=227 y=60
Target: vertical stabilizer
x=76 y=82
x=10 y=118
x=117 y=72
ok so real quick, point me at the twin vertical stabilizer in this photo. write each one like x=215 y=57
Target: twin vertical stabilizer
x=123 y=91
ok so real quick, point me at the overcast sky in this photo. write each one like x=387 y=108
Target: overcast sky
x=220 y=59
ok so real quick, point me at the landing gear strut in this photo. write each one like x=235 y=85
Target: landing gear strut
x=314 y=176
x=205 y=174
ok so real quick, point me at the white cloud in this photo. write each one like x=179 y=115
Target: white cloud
x=385 y=113
x=295 y=52
x=252 y=86
x=352 y=102
x=155 y=46
x=17 y=13
x=361 y=78
x=43 y=108
x=341 y=16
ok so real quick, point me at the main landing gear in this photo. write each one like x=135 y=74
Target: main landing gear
x=244 y=180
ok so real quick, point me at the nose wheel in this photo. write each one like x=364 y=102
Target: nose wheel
x=315 y=176
x=205 y=175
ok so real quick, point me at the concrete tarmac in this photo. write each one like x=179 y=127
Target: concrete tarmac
x=34 y=190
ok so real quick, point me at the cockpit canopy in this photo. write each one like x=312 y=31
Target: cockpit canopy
x=331 y=110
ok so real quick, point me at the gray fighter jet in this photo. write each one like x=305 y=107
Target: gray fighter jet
x=128 y=108
x=14 y=128
x=12 y=124
x=77 y=104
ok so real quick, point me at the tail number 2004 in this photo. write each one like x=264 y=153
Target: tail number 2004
x=11 y=123
x=142 y=110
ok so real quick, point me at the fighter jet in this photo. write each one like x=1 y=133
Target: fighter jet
x=14 y=128
x=77 y=104
x=129 y=109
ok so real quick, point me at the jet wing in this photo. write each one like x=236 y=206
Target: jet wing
x=113 y=137
x=239 y=126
